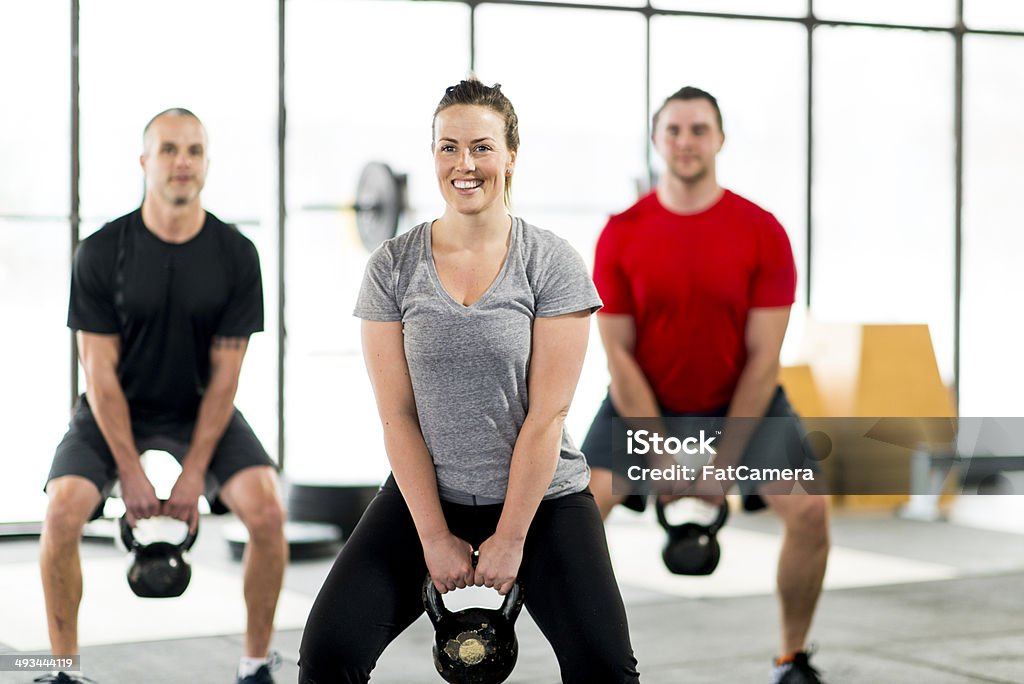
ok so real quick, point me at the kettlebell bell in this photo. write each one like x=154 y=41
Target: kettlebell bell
x=474 y=645
x=692 y=548
x=160 y=569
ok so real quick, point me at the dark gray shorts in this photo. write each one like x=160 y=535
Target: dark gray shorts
x=84 y=451
x=772 y=445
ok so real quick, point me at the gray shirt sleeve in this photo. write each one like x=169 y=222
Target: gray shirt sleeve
x=378 y=298
x=561 y=282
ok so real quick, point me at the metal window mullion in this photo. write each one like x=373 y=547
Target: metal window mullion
x=74 y=222
x=649 y=160
x=472 y=38
x=647 y=10
x=809 y=198
x=958 y=128
x=281 y=219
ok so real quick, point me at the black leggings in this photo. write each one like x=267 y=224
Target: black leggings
x=373 y=591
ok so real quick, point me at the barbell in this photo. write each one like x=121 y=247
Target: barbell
x=381 y=199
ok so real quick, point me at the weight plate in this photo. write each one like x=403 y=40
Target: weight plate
x=380 y=200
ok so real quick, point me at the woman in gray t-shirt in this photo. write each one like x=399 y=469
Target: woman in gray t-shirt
x=475 y=328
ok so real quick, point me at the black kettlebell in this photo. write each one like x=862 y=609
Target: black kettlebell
x=692 y=548
x=160 y=569
x=474 y=645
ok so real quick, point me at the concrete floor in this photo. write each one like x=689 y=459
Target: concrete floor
x=955 y=615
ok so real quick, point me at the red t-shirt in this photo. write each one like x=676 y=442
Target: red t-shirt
x=689 y=281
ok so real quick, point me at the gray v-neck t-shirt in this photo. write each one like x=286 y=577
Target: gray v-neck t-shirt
x=469 y=364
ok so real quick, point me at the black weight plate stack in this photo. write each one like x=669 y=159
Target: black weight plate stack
x=340 y=505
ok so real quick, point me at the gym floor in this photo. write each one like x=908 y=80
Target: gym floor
x=905 y=601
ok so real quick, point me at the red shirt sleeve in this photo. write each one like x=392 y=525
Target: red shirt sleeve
x=775 y=281
x=609 y=277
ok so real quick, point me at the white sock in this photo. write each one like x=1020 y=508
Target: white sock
x=778 y=671
x=248 y=666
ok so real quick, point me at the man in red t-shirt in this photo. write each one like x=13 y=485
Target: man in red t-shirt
x=697 y=284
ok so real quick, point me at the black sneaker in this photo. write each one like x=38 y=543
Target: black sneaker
x=798 y=671
x=64 y=678
x=262 y=675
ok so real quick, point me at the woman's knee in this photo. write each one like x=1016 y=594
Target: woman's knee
x=332 y=676
x=601 y=667
x=325 y=660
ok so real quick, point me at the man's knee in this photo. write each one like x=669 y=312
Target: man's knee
x=803 y=515
x=73 y=500
x=265 y=522
x=252 y=495
x=262 y=514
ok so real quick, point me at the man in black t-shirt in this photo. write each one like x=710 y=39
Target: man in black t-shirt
x=163 y=301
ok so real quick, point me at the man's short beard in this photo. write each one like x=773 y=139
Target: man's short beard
x=180 y=201
x=693 y=179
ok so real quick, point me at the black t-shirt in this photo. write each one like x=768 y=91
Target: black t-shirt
x=167 y=302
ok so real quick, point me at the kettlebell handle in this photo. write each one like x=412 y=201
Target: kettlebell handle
x=513 y=602
x=434 y=604
x=130 y=543
x=432 y=601
x=713 y=528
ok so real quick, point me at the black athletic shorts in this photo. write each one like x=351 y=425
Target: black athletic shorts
x=773 y=442
x=84 y=451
